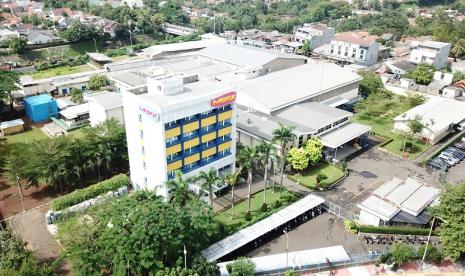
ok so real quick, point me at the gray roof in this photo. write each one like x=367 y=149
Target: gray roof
x=108 y=100
x=40 y=36
x=131 y=78
x=313 y=115
x=405 y=65
x=294 y=85
x=244 y=56
x=433 y=44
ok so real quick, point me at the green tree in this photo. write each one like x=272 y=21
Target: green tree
x=208 y=180
x=298 y=158
x=285 y=137
x=180 y=193
x=314 y=150
x=76 y=95
x=423 y=74
x=432 y=253
x=266 y=157
x=18 y=45
x=79 y=31
x=242 y=266
x=402 y=253
x=415 y=126
x=97 y=82
x=8 y=80
x=136 y=234
x=247 y=158
x=458 y=49
x=320 y=177
x=371 y=83
x=458 y=76
x=306 y=48
x=232 y=179
x=19 y=170
x=450 y=210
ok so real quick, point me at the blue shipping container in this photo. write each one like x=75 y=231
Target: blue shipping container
x=40 y=108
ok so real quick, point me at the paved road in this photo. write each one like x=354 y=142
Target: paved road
x=31 y=227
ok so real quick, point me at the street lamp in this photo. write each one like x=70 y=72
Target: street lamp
x=20 y=192
x=98 y=165
x=185 y=257
x=95 y=43
x=130 y=35
x=427 y=242
x=287 y=248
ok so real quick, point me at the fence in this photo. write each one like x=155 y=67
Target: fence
x=354 y=260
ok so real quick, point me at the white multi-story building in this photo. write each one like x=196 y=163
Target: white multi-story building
x=134 y=3
x=316 y=34
x=431 y=52
x=177 y=122
x=353 y=47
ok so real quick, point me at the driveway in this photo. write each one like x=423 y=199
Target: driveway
x=31 y=227
x=368 y=171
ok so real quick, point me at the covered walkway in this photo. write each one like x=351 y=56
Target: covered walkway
x=259 y=229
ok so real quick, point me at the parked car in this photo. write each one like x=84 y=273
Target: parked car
x=450 y=156
x=447 y=160
x=454 y=154
x=437 y=165
x=460 y=146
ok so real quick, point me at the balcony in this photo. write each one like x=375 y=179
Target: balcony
x=191 y=151
x=204 y=146
x=173 y=159
x=173 y=142
x=223 y=124
x=187 y=169
x=168 y=126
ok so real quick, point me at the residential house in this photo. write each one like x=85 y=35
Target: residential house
x=400 y=67
x=7 y=34
x=431 y=52
x=58 y=13
x=104 y=106
x=316 y=34
x=353 y=47
x=41 y=37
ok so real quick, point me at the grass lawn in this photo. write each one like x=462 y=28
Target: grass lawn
x=308 y=178
x=64 y=70
x=383 y=125
x=27 y=136
x=257 y=200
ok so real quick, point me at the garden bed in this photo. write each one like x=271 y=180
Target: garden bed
x=308 y=177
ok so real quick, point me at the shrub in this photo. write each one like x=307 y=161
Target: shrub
x=264 y=208
x=386 y=258
x=81 y=195
x=277 y=204
x=432 y=253
x=402 y=253
x=395 y=230
x=248 y=216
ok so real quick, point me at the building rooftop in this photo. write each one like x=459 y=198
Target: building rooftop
x=433 y=44
x=74 y=111
x=360 y=38
x=12 y=123
x=39 y=99
x=281 y=89
x=107 y=100
x=99 y=57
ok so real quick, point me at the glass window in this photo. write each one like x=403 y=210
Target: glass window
x=172 y=139
x=142 y=150
x=189 y=134
x=144 y=165
x=140 y=117
x=142 y=134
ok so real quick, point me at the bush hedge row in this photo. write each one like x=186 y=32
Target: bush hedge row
x=81 y=195
x=395 y=230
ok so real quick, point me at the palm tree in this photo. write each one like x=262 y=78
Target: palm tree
x=209 y=178
x=266 y=155
x=232 y=179
x=285 y=137
x=247 y=156
x=179 y=189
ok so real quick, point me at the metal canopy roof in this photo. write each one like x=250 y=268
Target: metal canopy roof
x=253 y=232
x=343 y=134
x=297 y=259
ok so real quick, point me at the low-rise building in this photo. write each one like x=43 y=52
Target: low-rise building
x=105 y=106
x=316 y=34
x=440 y=116
x=398 y=202
x=431 y=52
x=41 y=37
x=353 y=47
x=11 y=127
x=7 y=34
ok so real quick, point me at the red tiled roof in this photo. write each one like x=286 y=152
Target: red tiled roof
x=361 y=38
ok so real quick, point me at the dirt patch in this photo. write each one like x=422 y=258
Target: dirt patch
x=10 y=203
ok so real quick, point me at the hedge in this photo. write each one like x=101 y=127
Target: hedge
x=395 y=230
x=90 y=192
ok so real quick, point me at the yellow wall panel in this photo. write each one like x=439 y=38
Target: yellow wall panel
x=208 y=152
x=208 y=137
x=225 y=115
x=175 y=165
x=191 y=143
x=224 y=131
x=172 y=132
x=173 y=149
x=190 y=127
x=208 y=121
x=224 y=146
x=191 y=159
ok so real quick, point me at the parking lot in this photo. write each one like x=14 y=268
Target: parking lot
x=373 y=168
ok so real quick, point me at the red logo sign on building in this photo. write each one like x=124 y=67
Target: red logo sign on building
x=224 y=99
x=153 y=115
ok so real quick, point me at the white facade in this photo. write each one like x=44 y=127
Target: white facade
x=316 y=34
x=7 y=34
x=431 y=52
x=352 y=48
x=154 y=121
x=105 y=106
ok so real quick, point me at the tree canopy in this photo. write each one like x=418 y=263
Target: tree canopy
x=97 y=82
x=79 y=31
x=371 y=83
x=423 y=74
x=137 y=234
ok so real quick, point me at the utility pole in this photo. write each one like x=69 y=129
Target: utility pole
x=427 y=244
x=185 y=257
x=21 y=195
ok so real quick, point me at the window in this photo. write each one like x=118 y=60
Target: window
x=145 y=180
x=208 y=144
x=189 y=134
x=172 y=157
x=223 y=108
x=224 y=137
x=206 y=113
x=171 y=124
x=224 y=122
x=172 y=139
x=144 y=165
x=142 y=150
x=171 y=174
x=140 y=117
x=84 y=88
x=191 y=150
x=224 y=152
x=191 y=165
x=141 y=134
x=208 y=128
x=207 y=159
x=64 y=91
